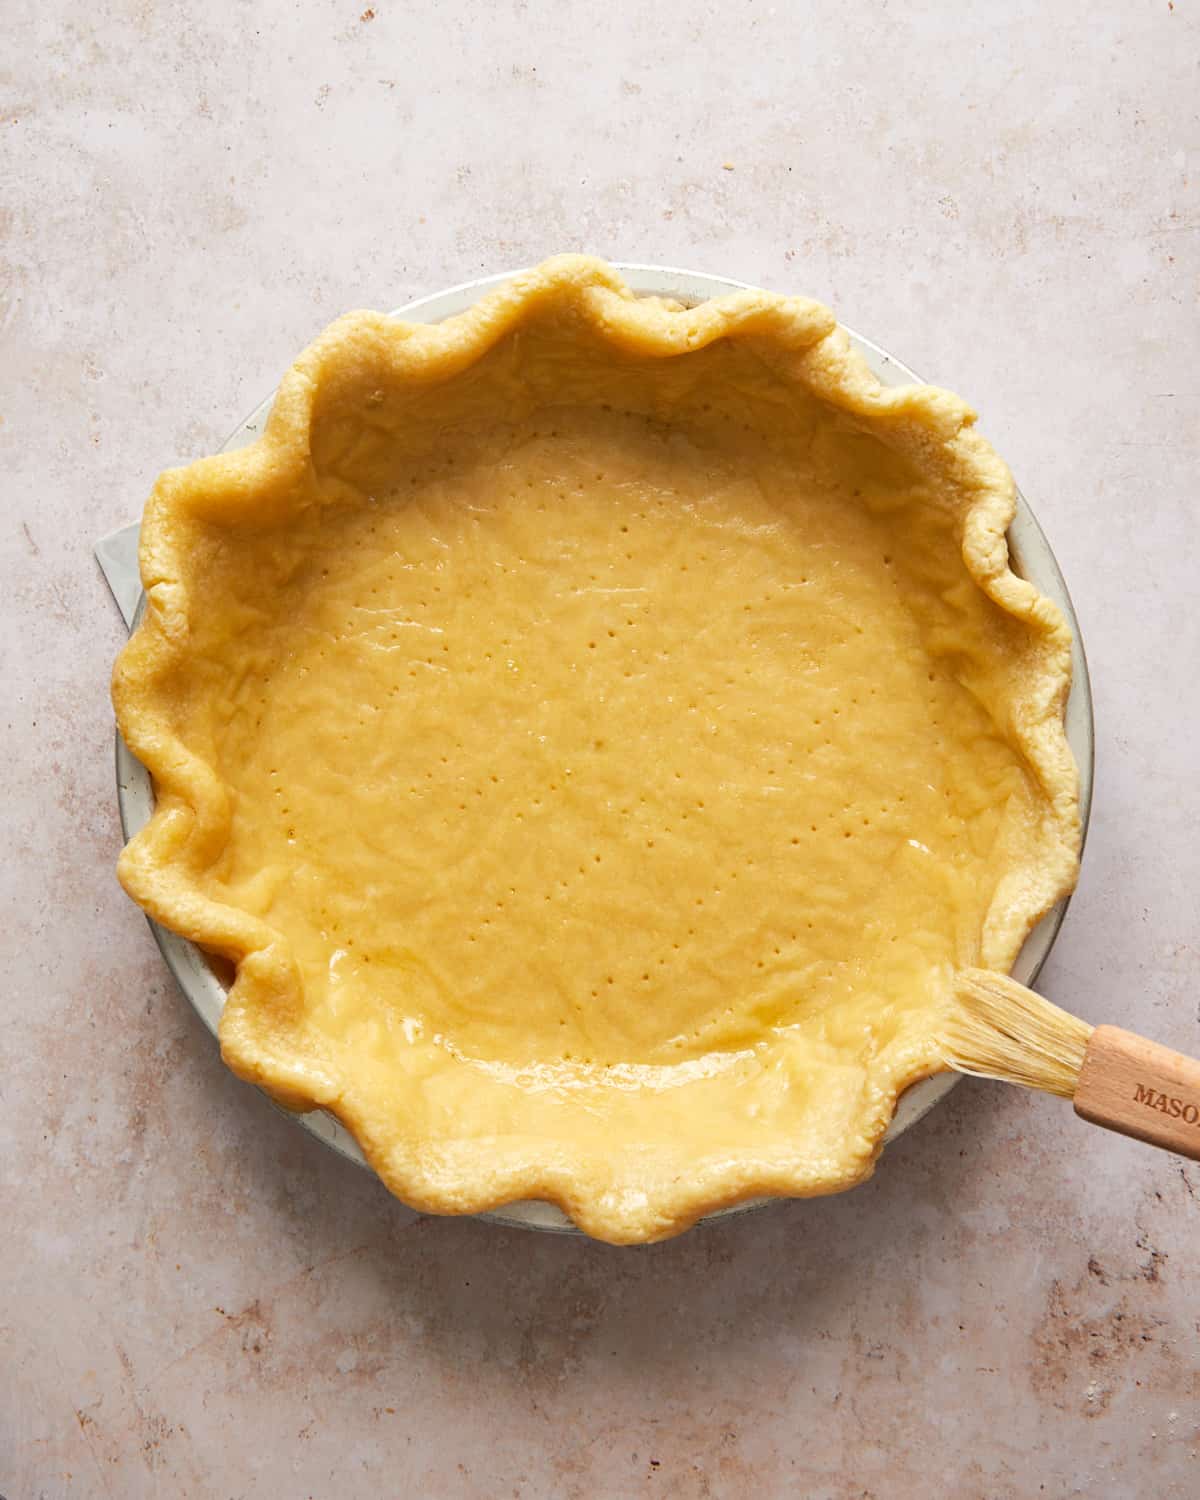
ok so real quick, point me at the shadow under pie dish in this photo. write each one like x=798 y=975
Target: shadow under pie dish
x=595 y=728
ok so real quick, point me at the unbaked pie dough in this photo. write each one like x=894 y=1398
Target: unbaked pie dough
x=596 y=729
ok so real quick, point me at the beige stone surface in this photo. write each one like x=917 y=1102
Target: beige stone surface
x=199 y=1300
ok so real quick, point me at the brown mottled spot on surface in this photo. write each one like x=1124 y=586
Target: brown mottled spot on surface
x=1090 y=1342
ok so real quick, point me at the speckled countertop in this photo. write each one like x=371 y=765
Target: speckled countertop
x=201 y=1301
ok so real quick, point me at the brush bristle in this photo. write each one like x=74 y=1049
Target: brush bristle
x=996 y=1028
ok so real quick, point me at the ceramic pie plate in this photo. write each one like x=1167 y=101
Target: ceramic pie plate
x=1031 y=557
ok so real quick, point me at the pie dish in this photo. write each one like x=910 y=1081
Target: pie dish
x=595 y=728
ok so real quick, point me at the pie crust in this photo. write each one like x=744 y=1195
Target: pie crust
x=595 y=729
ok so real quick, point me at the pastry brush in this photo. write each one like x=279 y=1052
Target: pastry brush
x=997 y=1028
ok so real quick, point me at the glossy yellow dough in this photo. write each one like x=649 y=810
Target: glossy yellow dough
x=596 y=729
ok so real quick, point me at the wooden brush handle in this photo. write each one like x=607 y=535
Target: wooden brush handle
x=1141 y=1089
